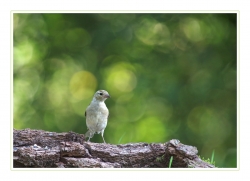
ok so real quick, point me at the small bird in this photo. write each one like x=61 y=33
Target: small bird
x=97 y=114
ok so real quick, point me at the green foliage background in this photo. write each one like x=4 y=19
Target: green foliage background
x=169 y=76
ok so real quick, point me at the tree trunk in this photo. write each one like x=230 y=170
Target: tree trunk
x=38 y=148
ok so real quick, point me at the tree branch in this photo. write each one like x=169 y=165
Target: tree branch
x=38 y=148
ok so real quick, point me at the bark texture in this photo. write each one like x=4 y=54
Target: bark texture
x=43 y=149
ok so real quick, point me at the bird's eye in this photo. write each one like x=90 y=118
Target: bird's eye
x=101 y=93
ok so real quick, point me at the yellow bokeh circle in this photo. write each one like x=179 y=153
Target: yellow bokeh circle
x=82 y=85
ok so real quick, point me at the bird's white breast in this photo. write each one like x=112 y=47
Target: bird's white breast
x=97 y=116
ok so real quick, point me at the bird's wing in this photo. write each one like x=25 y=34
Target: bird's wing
x=86 y=111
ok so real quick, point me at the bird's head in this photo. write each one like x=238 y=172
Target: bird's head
x=101 y=95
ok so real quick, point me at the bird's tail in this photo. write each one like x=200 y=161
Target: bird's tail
x=88 y=134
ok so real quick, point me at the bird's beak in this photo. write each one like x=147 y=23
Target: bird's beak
x=107 y=96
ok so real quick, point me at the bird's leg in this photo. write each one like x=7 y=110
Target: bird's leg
x=88 y=139
x=89 y=134
x=103 y=140
x=102 y=136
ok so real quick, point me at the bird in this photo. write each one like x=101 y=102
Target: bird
x=97 y=114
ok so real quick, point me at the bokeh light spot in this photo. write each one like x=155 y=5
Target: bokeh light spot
x=57 y=86
x=121 y=78
x=151 y=129
x=124 y=80
x=192 y=29
x=23 y=53
x=152 y=32
x=82 y=85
